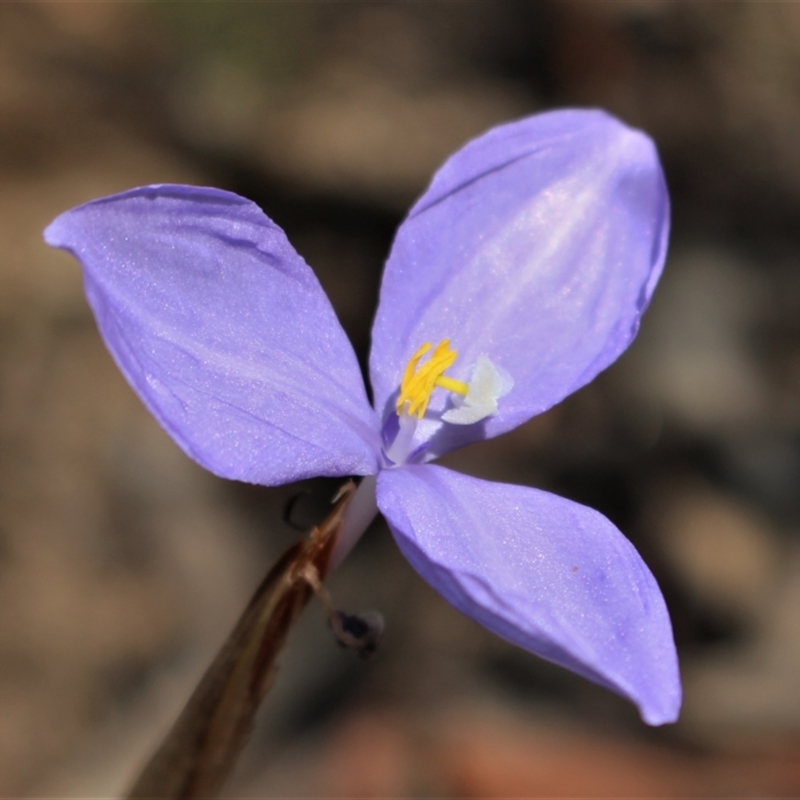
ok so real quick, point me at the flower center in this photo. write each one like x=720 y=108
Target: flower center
x=420 y=379
x=469 y=402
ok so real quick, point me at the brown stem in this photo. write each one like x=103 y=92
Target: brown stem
x=201 y=749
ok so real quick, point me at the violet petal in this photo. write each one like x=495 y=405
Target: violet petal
x=547 y=574
x=224 y=332
x=537 y=245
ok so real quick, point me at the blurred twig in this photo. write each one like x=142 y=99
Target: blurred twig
x=201 y=749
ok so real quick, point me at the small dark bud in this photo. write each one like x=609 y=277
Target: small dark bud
x=359 y=632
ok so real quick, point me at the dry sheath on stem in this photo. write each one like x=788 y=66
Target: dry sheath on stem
x=200 y=751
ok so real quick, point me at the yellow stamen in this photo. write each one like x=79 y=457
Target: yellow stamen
x=452 y=385
x=419 y=380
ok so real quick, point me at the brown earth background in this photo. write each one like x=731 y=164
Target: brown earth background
x=122 y=564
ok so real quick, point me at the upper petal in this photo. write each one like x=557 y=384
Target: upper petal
x=547 y=574
x=224 y=332
x=537 y=245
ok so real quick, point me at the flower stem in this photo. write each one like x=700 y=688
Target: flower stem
x=200 y=751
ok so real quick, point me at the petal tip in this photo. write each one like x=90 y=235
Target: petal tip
x=660 y=703
x=662 y=715
x=53 y=234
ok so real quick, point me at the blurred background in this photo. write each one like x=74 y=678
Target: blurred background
x=123 y=565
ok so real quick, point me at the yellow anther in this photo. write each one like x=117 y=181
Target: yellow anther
x=452 y=385
x=419 y=380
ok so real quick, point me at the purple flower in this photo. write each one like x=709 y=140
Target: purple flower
x=520 y=274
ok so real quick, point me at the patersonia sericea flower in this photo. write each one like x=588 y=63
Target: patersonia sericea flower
x=520 y=274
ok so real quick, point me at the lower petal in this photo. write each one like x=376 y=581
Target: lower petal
x=547 y=574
